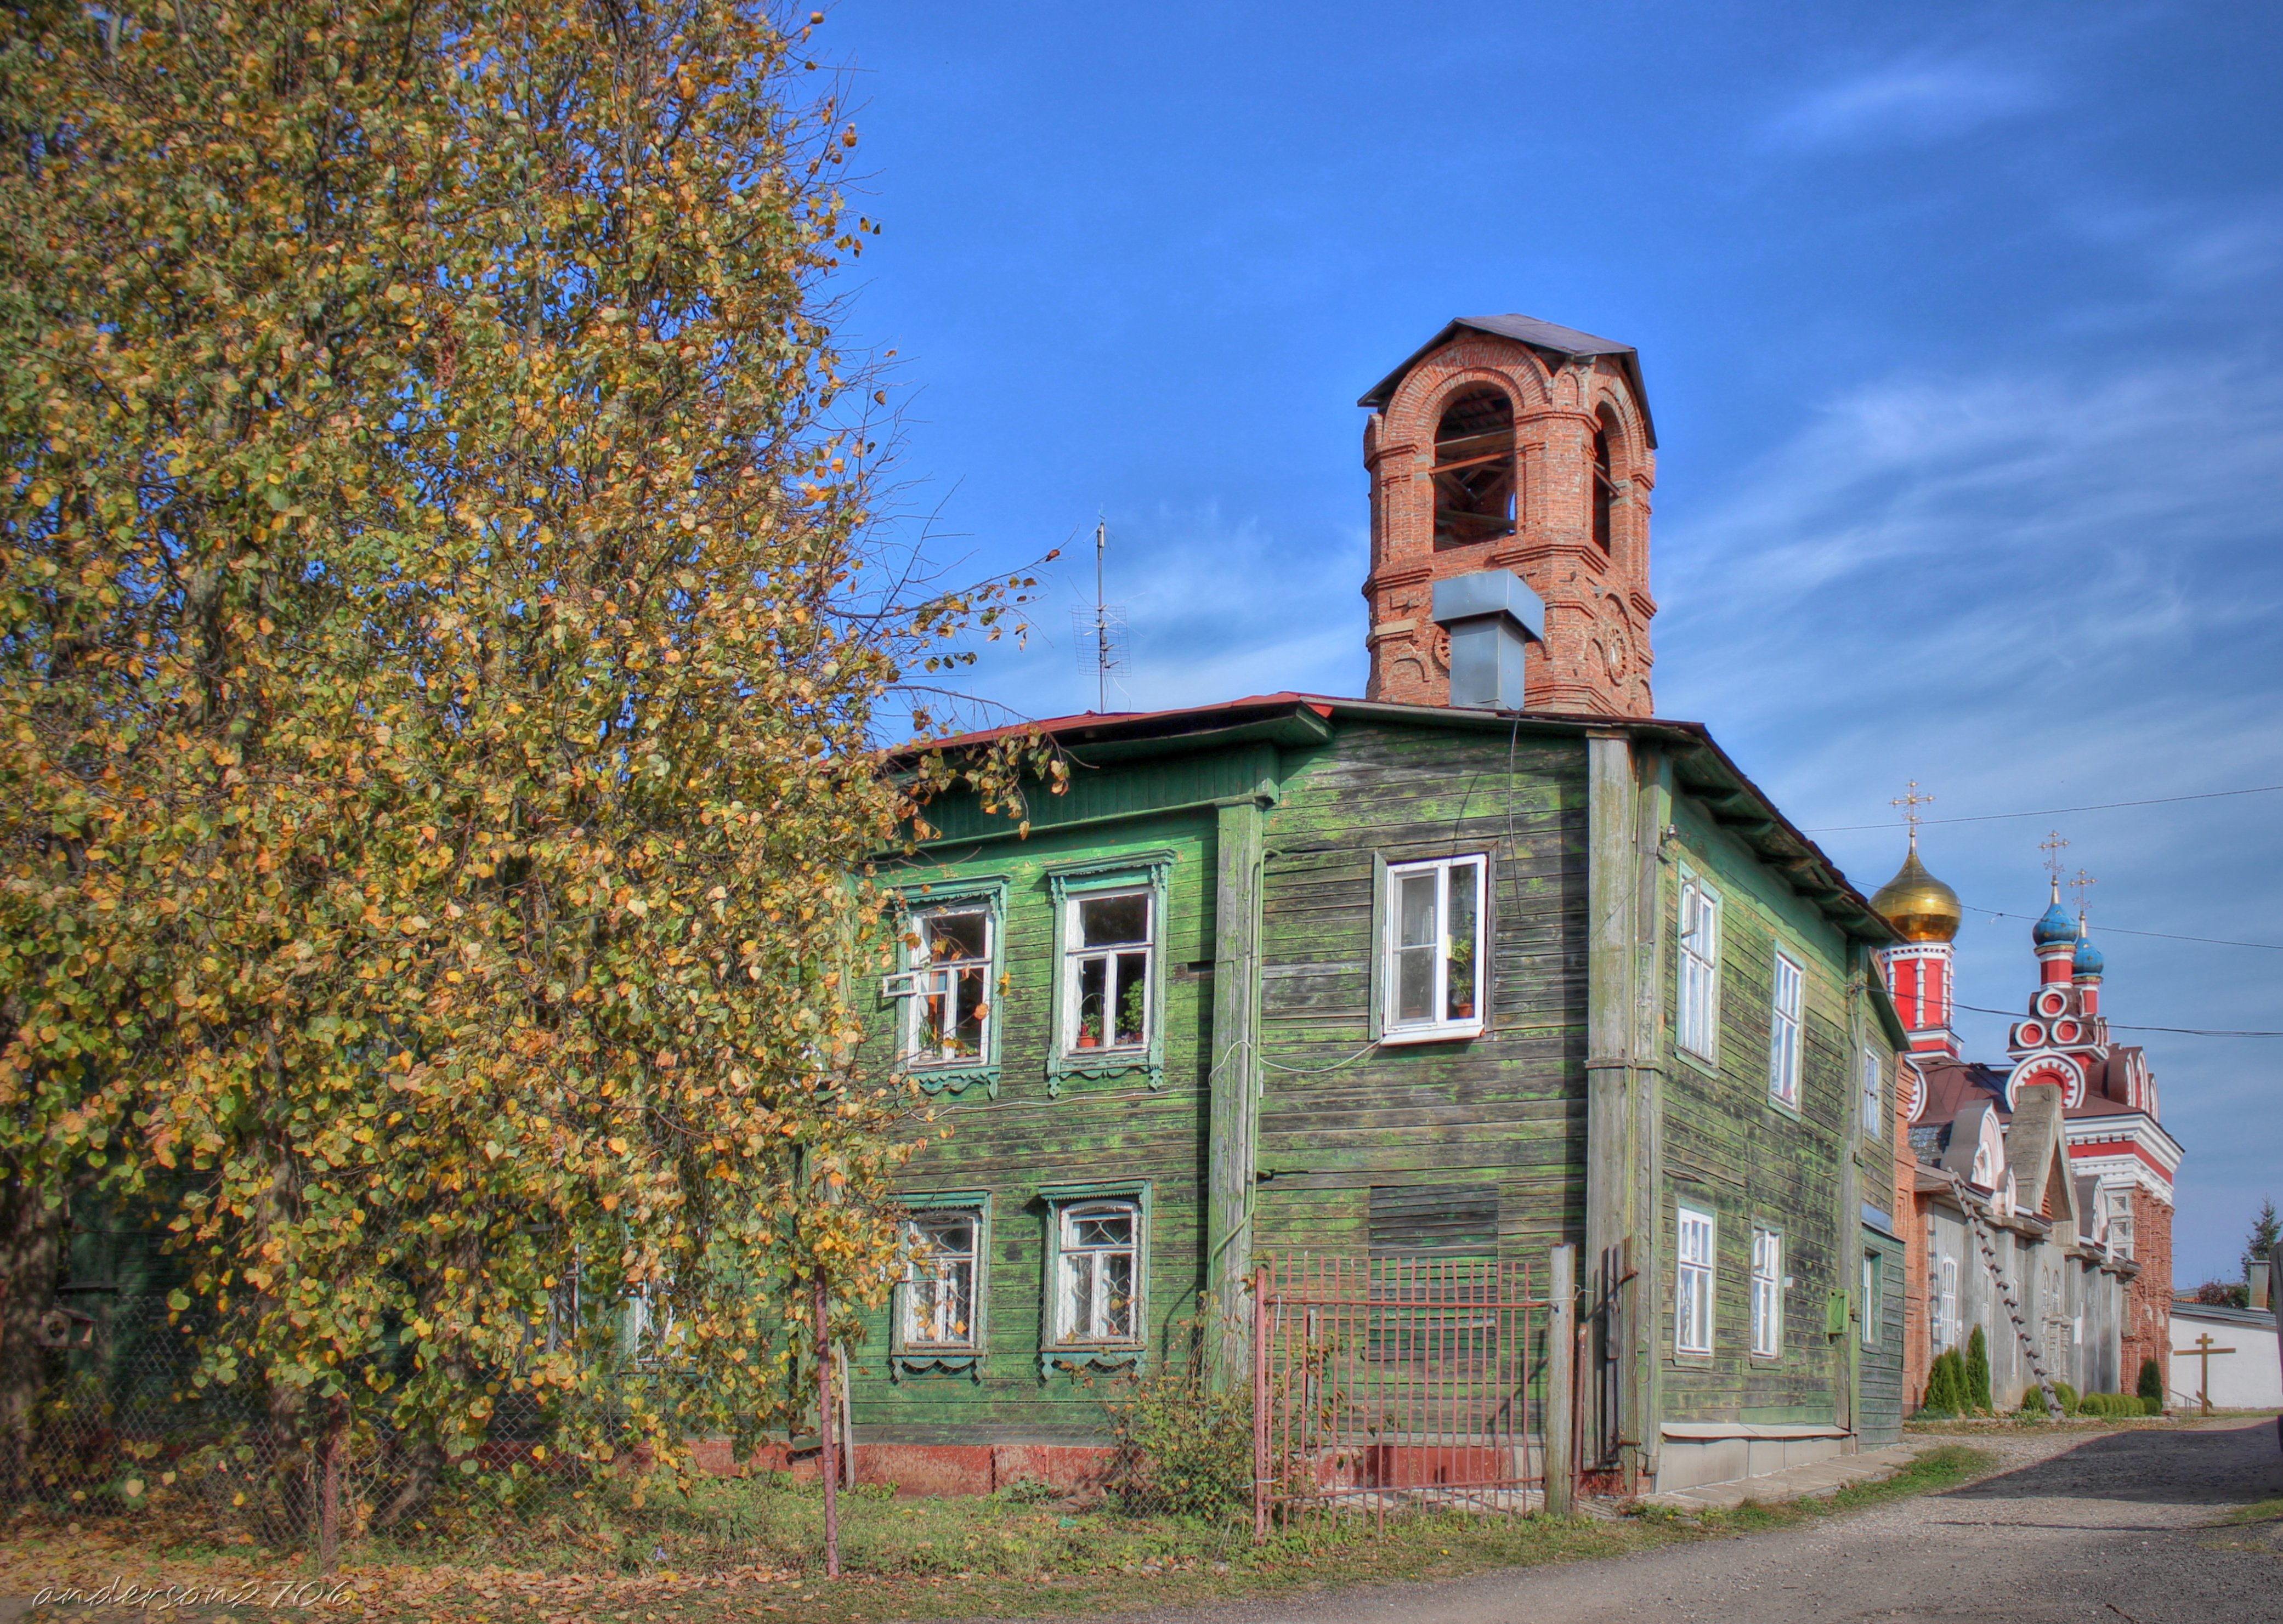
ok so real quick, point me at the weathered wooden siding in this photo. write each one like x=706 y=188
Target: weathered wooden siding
x=1880 y=1382
x=1728 y=1146
x=1100 y=1129
x=1504 y=1110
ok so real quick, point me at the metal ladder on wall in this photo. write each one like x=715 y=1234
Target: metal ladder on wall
x=2014 y=1312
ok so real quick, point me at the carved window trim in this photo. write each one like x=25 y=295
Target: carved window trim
x=908 y=1356
x=1066 y=884
x=1082 y=1356
x=907 y=987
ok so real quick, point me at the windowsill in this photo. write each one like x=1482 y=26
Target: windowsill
x=1694 y=1361
x=1777 y=1104
x=1761 y=1361
x=1129 y=1055
x=954 y=1079
x=936 y=1362
x=1079 y=1358
x=1457 y=1032
x=1709 y=1064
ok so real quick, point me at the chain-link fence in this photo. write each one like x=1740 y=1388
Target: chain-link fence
x=1386 y=1387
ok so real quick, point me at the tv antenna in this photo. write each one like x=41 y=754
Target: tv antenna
x=1102 y=629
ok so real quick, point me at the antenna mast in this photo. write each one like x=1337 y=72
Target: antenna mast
x=1101 y=632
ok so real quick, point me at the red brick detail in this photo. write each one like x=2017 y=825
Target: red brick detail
x=2147 y=1328
x=1595 y=659
x=931 y=1468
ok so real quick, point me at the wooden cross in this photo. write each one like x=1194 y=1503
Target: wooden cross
x=2203 y=1350
x=1910 y=801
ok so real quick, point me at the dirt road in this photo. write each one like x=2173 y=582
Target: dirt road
x=2112 y=1528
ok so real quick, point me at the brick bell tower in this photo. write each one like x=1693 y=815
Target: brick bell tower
x=1509 y=444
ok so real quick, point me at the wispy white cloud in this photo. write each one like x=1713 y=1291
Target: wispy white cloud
x=2030 y=589
x=1216 y=606
x=1914 y=100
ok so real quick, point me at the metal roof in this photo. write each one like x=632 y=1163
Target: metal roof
x=1542 y=335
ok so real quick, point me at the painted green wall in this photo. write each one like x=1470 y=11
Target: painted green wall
x=1754 y=1162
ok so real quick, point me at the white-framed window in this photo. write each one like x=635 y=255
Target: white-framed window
x=1107 y=1001
x=1946 y=1305
x=1872 y=1305
x=1767 y=1293
x=1699 y=1016
x=1098 y=1271
x=2120 y=1223
x=947 y=1017
x=1432 y=972
x=1692 y=1297
x=1875 y=1095
x=1783 y=1032
x=942 y=1277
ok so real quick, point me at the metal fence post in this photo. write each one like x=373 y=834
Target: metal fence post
x=1559 y=1429
x=1260 y=1389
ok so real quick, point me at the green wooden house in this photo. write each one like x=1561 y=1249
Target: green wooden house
x=1303 y=974
x=1490 y=961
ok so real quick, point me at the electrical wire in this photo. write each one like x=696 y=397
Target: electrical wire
x=2184 y=1031
x=2051 y=811
x=2162 y=936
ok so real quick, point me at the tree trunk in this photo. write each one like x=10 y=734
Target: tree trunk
x=31 y=1252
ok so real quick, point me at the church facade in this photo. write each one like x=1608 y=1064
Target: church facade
x=1490 y=959
x=2041 y=1190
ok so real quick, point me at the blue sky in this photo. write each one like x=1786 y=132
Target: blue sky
x=1962 y=327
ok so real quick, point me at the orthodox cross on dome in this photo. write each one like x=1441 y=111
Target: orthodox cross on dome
x=2081 y=885
x=1910 y=801
x=2052 y=845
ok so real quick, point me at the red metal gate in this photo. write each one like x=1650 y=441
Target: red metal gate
x=1391 y=1382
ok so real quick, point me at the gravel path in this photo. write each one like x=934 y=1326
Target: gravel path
x=2117 y=1526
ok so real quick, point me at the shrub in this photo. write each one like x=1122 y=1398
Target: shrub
x=1977 y=1372
x=2113 y=1405
x=1183 y=1448
x=2152 y=1383
x=1945 y=1388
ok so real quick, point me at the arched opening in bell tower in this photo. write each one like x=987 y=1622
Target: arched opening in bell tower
x=1605 y=484
x=1474 y=474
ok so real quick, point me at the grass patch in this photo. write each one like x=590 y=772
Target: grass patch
x=2258 y=1511
x=753 y=1550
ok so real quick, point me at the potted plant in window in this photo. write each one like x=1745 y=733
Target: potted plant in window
x=1089 y=1031
x=1463 y=980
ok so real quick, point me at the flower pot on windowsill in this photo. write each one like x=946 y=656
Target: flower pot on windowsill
x=1088 y=1040
x=1464 y=1012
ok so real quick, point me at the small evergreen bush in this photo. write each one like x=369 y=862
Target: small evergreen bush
x=2152 y=1383
x=1945 y=1386
x=1977 y=1373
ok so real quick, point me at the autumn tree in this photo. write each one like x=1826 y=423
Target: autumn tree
x=443 y=662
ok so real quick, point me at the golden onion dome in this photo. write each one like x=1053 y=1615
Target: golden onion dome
x=1916 y=903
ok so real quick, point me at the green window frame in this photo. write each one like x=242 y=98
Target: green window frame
x=920 y=1356
x=1072 y=886
x=1071 y=1211
x=917 y=980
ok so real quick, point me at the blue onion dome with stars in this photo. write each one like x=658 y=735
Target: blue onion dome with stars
x=2088 y=960
x=2057 y=928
